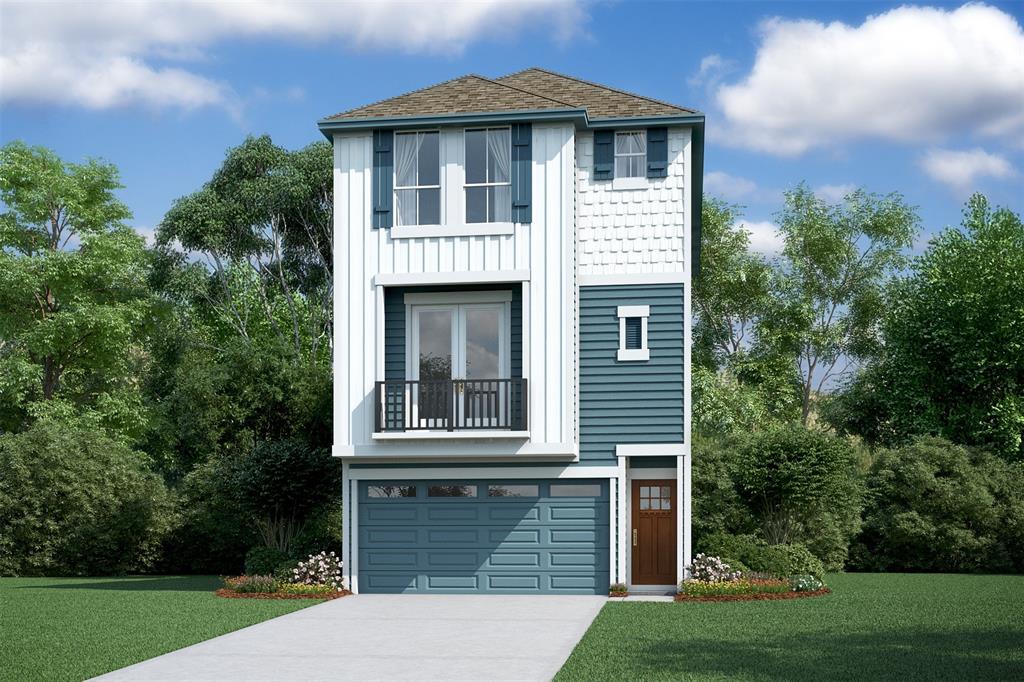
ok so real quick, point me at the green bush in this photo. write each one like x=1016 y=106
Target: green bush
x=716 y=505
x=754 y=554
x=285 y=571
x=699 y=588
x=264 y=560
x=936 y=506
x=802 y=486
x=252 y=584
x=75 y=502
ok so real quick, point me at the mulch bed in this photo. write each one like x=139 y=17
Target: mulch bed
x=760 y=596
x=231 y=594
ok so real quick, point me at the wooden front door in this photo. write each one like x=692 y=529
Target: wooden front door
x=654 y=532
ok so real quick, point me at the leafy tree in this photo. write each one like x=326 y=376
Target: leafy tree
x=936 y=506
x=829 y=291
x=74 y=501
x=801 y=486
x=73 y=294
x=954 y=343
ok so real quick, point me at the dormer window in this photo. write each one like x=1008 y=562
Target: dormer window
x=488 y=175
x=631 y=154
x=418 y=178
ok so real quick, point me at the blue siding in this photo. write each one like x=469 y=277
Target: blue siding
x=629 y=402
x=394 y=325
x=539 y=544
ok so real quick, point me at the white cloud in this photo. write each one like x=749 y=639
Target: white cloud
x=961 y=170
x=834 y=193
x=109 y=54
x=764 y=236
x=711 y=71
x=910 y=74
x=737 y=189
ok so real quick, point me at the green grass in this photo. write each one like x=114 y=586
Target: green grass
x=75 y=628
x=873 y=626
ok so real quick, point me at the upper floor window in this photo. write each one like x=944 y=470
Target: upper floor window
x=488 y=175
x=418 y=178
x=633 y=332
x=631 y=154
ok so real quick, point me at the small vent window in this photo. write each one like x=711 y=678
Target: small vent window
x=634 y=341
x=633 y=333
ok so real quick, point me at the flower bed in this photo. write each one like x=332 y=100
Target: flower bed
x=753 y=596
x=232 y=594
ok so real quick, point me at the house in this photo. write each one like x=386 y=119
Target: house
x=512 y=262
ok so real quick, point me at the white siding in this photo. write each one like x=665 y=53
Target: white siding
x=632 y=231
x=543 y=249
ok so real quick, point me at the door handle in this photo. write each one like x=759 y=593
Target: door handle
x=634 y=537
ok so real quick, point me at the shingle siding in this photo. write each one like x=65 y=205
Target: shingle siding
x=629 y=402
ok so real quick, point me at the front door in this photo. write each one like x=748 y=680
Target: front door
x=458 y=353
x=654 y=532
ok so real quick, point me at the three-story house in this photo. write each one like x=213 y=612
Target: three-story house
x=512 y=260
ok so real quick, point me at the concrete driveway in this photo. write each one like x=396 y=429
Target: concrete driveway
x=391 y=637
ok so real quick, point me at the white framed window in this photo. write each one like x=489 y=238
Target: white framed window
x=633 y=333
x=488 y=173
x=630 y=154
x=418 y=178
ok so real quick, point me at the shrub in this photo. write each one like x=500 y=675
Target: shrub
x=252 y=583
x=783 y=561
x=264 y=560
x=700 y=588
x=75 y=502
x=936 y=506
x=711 y=569
x=319 y=569
x=302 y=588
x=805 y=583
x=285 y=571
x=618 y=587
x=802 y=486
x=716 y=505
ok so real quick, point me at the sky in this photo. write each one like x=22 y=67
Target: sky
x=922 y=99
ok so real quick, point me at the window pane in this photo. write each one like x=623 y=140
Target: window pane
x=405 y=161
x=666 y=504
x=645 y=491
x=482 y=341
x=435 y=338
x=476 y=156
x=622 y=143
x=575 y=490
x=499 y=154
x=499 y=204
x=451 y=491
x=637 y=167
x=655 y=503
x=645 y=504
x=640 y=143
x=429 y=159
x=666 y=491
x=406 y=208
x=476 y=204
x=516 y=490
x=391 y=491
x=430 y=207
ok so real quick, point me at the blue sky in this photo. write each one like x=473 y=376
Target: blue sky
x=926 y=100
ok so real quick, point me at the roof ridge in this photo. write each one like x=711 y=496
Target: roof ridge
x=451 y=80
x=602 y=86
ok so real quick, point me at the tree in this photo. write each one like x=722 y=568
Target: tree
x=73 y=294
x=829 y=291
x=953 y=363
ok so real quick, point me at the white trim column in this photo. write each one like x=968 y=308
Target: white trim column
x=623 y=517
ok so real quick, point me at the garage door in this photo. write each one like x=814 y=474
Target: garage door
x=484 y=536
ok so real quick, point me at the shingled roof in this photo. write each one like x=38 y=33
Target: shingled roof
x=529 y=90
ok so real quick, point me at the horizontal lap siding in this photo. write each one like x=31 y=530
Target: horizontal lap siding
x=629 y=402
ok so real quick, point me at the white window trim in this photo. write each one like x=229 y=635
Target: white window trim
x=633 y=181
x=440 y=186
x=633 y=354
x=466 y=185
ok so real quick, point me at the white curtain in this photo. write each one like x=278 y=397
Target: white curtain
x=405 y=159
x=499 y=144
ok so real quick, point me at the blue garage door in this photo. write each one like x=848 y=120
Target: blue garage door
x=484 y=536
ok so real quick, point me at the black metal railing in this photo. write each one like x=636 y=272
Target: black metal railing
x=450 y=405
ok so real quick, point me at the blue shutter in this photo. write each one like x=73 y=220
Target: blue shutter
x=383 y=178
x=634 y=336
x=604 y=154
x=657 y=152
x=522 y=172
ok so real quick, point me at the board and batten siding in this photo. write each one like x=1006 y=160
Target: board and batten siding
x=630 y=402
x=544 y=249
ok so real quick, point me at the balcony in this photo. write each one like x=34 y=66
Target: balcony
x=467 y=407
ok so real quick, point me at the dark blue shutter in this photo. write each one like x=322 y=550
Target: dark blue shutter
x=522 y=172
x=634 y=336
x=604 y=154
x=657 y=152
x=383 y=178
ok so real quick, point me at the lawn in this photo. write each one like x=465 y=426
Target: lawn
x=74 y=628
x=873 y=626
